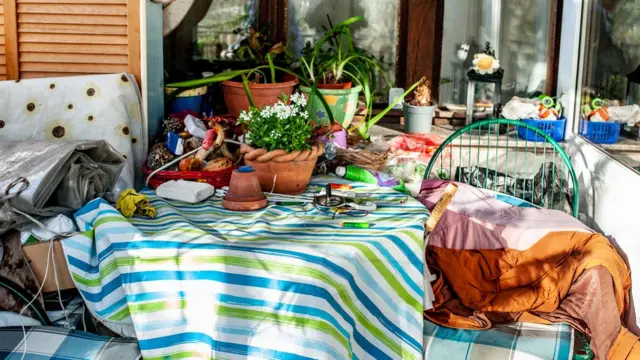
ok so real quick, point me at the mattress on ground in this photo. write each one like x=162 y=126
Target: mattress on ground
x=517 y=341
x=54 y=343
x=289 y=282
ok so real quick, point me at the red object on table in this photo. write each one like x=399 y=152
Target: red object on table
x=216 y=178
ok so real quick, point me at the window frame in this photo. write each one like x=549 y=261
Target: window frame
x=419 y=47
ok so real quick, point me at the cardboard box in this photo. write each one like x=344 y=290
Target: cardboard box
x=37 y=254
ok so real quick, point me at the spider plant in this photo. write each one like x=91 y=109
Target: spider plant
x=245 y=75
x=336 y=59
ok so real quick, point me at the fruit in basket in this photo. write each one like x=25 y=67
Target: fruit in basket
x=158 y=156
x=218 y=164
x=190 y=164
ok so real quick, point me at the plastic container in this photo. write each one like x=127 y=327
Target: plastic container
x=418 y=119
x=354 y=173
x=600 y=132
x=189 y=100
x=553 y=128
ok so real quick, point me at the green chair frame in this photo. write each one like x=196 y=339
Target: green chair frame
x=471 y=143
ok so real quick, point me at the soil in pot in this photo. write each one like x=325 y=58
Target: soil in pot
x=342 y=103
x=263 y=94
x=418 y=119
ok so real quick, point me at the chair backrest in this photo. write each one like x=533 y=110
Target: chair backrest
x=539 y=172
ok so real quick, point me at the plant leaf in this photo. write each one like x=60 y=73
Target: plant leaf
x=245 y=84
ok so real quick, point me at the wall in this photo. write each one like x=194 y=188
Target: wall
x=609 y=191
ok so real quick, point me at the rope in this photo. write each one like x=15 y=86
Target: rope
x=281 y=156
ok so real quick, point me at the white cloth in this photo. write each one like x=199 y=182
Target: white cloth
x=629 y=114
x=94 y=107
x=517 y=109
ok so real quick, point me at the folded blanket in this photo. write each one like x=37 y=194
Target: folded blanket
x=499 y=263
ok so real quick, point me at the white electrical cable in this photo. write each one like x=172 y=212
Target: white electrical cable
x=55 y=277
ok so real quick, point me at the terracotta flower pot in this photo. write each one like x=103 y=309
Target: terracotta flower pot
x=263 y=94
x=290 y=172
x=245 y=192
x=344 y=85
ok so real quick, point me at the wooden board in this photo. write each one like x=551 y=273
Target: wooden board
x=43 y=38
x=3 y=58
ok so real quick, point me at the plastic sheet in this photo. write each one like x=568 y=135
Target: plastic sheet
x=410 y=154
x=61 y=176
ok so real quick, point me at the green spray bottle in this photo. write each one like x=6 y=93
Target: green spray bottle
x=355 y=173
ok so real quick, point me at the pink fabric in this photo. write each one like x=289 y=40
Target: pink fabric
x=475 y=219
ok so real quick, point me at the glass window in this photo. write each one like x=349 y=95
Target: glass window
x=308 y=20
x=518 y=31
x=204 y=39
x=609 y=115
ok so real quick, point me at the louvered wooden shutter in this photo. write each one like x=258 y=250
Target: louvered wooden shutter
x=3 y=59
x=46 y=38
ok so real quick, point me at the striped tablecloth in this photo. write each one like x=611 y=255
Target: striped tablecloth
x=289 y=282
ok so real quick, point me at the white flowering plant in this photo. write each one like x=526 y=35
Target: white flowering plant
x=282 y=126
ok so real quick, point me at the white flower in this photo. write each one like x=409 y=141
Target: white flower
x=305 y=114
x=299 y=100
x=245 y=116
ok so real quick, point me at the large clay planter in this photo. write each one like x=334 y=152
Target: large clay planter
x=343 y=104
x=291 y=172
x=263 y=94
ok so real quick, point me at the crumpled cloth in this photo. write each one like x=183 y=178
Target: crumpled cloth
x=131 y=203
x=629 y=114
x=518 y=108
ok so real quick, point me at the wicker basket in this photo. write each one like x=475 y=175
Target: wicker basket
x=216 y=178
x=362 y=158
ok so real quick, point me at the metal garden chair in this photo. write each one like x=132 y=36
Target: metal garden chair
x=471 y=147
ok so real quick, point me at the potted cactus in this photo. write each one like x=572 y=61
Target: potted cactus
x=418 y=109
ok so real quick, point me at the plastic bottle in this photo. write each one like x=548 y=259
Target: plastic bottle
x=355 y=173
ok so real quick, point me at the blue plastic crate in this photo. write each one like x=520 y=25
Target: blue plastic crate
x=600 y=132
x=553 y=128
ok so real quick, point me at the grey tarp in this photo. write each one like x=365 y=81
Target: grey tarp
x=61 y=176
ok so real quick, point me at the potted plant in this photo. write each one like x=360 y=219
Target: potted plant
x=335 y=64
x=418 y=109
x=255 y=51
x=280 y=145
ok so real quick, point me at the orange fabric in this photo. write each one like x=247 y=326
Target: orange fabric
x=480 y=287
x=626 y=347
x=536 y=279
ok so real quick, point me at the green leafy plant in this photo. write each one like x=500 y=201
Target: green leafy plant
x=335 y=59
x=282 y=126
x=255 y=51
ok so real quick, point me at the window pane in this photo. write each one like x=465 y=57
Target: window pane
x=206 y=33
x=518 y=31
x=216 y=32
x=378 y=34
x=610 y=88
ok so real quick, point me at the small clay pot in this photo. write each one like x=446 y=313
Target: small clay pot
x=263 y=94
x=244 y=191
